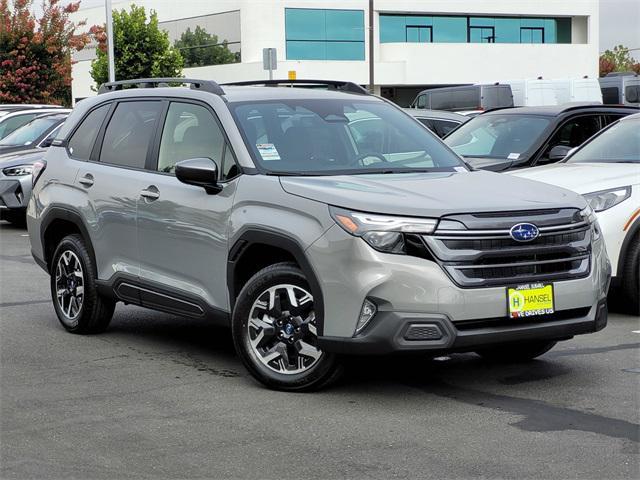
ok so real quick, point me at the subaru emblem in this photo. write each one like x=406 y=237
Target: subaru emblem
x=524 y=232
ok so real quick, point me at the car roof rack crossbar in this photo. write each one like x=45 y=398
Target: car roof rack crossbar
x=332 y=84
x=204 y=85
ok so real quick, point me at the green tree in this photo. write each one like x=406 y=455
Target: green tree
x=141 y=48
x=199 y=48
x=617 y=60
x=35 y=53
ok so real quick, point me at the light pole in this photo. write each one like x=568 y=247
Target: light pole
x=110 y=59
x=371 y=49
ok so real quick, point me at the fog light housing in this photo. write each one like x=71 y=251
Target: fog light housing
x=367 y=312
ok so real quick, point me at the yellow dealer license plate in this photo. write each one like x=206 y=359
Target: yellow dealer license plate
x=530 y=300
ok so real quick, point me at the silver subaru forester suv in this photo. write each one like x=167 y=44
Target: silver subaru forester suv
x=316 y=222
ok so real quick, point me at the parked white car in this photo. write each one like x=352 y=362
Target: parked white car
x=606 y=171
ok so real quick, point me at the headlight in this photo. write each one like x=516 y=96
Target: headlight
x=383 y=232
x=18 y=170
x=605 y=199
x=589 y=215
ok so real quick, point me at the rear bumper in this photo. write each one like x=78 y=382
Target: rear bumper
x=393 y=332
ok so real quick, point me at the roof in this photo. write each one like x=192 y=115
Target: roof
x=438 y=114
x=555 y=110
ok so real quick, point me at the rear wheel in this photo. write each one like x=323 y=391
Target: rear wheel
x=630 y=286
x=78 y=305
x=275 y=332
x=517 y=352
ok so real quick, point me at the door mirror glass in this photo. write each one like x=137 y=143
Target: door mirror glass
x=201 y=172
x=558 y=152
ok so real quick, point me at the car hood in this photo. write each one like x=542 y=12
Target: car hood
x=24 y=156
x=432 y=194
x=584 y=177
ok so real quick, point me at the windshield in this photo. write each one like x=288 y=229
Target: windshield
x=332 y=137
x=505 y=137
x=618 y=144
x=29 y=133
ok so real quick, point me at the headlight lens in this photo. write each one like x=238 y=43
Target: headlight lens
x=385 y=233
x=590 y=216
x=605 y=199
x=18 y=170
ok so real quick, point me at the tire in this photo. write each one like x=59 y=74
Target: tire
x=517 y=352
x=72 y=268
x=630 y=275
x=275 y=337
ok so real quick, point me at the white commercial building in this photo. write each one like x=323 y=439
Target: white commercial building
x=415 y=43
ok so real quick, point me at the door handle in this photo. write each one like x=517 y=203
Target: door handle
x=150 y=193
x=86 y=180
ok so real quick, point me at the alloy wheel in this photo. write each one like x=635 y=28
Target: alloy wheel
x=69 y=286
x=282 y=330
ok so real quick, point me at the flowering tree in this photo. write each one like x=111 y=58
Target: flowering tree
x=618 y=60
x=35 y=53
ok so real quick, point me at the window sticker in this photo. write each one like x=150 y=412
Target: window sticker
x=513 y=156
x=268 y=151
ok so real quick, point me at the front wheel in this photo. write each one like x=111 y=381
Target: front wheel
x=275 y=332
x=630 y=287
x=517 y=352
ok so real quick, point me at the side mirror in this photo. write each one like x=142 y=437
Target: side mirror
x=46 y=143
x=558 y=152
x=201 y=172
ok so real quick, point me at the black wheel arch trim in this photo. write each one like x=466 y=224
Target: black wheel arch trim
x=63 y=213
x=253 y=235
x=634 y=230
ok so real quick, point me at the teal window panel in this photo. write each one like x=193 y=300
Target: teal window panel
x=507 y=30
x=344 y=50
x=419 y=20
x=344 y=25
x=482 y=22
x=306 y=50
x=550 y=31
x=450 y=29
x=304 y=24
x=392 y=28
x=531 y=22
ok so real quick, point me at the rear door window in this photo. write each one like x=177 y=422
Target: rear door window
x=129 y=133
x=81 y=142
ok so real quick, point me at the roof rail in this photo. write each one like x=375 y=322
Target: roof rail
x=204 y=85
x=335 y=84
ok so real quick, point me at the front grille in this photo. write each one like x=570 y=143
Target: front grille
x=481 y=258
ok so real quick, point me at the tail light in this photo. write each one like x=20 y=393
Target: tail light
x=38 y=168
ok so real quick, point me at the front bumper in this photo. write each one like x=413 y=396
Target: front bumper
x=409 y=290
x=15 y=193
x=434 y=334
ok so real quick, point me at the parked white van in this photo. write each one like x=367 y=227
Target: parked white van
x=577 y=90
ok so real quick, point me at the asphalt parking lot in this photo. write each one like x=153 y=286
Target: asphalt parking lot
x=157 y=396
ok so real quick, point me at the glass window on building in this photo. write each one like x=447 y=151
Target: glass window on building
x=206 y=40
x=463 y=29
x=316 y=34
